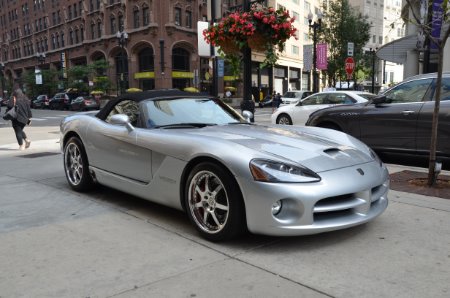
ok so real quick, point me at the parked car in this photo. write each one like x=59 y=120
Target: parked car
x=61 y=101
x=398 y=121
x=194 y=153
x=4 y=101
x=292 y=97
x=297 y=114
x=266 y=102
x=85 y=103
x=41 y=102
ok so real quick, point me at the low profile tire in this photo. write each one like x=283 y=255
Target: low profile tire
x=76 y=166
x=214 y=202
x=284 y=119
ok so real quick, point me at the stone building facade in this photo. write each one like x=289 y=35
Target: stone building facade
x=160 y=51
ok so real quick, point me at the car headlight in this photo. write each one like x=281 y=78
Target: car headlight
x=375 y=157
x=273 y=171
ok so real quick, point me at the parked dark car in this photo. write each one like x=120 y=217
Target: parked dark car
x=397 y=121
x=266 y=102
x=41 y=102
x=85 y=103
x=61 y=101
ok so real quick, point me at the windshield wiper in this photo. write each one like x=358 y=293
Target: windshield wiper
x=185 y=125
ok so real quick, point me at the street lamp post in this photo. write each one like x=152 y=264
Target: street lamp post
x=373 y=51
x=122 y=38
x=315 y=26
x=40 y=57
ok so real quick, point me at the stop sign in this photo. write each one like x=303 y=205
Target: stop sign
x=349 y=65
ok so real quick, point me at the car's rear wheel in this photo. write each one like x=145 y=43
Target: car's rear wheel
x=214 y=202
x=284 y=119
x=76 y=165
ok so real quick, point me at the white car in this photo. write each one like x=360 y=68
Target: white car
x=292 y=97
x=299 y=113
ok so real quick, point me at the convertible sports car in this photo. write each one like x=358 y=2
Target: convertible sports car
x=194 y=153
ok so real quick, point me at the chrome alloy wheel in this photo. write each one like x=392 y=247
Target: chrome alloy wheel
x=284 y=120
x=208 y=202
x=74 y=163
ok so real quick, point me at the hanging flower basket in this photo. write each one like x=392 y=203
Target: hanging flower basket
x=258 y=42
x=229 y=47
x=263 y=29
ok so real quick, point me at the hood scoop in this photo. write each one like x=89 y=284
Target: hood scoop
x=333 y=152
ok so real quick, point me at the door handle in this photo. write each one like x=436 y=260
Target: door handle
x=407 y=112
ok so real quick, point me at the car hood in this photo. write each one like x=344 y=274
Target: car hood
x=318 y=149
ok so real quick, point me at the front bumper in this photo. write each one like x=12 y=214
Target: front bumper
x=342 y=199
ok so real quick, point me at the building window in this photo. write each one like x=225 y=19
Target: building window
x=75 y=12
x=91 y=5
x=99 y=29
x=136 y=18
x=188 y=19
x=81 y=34
x=295 y=50
x=63 y=44
x=71 y=37
x=146 y=60
x=92 y=31
x=145 y=16
x=296 y=16
x=69 y=12
x=76 y=36
x=121 y=23
x=113 y=25
x=177 y=16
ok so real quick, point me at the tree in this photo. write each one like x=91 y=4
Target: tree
x=342 y=24
x=441 y=14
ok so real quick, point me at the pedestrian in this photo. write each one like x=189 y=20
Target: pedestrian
x=276 y=100
x=20 y=100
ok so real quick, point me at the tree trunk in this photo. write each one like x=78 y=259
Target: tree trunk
x=434 y=125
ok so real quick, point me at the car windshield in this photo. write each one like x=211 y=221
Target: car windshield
x=367 y=96
x=196 y=112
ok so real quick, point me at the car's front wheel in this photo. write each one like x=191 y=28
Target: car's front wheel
x=76 y=165
x=214 y=202
x=284 y=119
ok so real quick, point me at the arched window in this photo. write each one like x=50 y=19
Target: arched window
x=146 y=60
x=77 y=40
x=99 y=29
x=145 y=15
x=63 y=44
x=92 y=30
x=70 y=37
x=113 y=26
x=136 y=17
x=180 y=59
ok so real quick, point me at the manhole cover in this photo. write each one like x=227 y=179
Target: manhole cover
x=40 y=154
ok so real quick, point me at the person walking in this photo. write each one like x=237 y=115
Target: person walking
x=22 y=104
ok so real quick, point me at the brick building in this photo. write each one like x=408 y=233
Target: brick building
x=160 y=51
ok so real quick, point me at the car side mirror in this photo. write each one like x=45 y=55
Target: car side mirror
x=247 y=115
x=122 y=119
x=379 y=100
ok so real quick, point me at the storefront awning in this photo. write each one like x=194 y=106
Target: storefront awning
x=396 y=50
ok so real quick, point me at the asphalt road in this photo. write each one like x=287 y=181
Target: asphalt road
x=59 y=243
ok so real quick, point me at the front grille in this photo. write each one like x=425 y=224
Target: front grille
x=347 y=205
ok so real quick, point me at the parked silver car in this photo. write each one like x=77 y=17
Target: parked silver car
x=197 y=154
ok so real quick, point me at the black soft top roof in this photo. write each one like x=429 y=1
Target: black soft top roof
x=144 y=95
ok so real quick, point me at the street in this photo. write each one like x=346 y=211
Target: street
x=59 y=243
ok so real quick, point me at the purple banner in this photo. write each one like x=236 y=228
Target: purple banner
x=436 y=23
x=321 y=62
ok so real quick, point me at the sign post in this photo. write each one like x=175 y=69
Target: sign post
x=349 y=68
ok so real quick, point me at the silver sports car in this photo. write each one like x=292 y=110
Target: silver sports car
x=195 y=153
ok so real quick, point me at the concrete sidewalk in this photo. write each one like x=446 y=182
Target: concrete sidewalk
x=59 y=243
